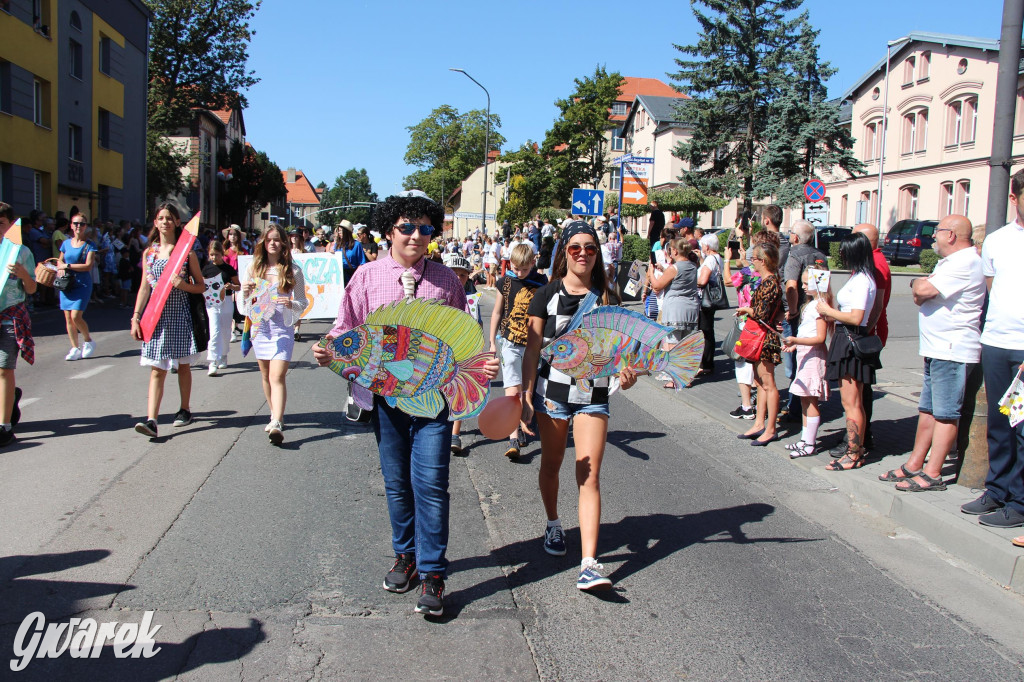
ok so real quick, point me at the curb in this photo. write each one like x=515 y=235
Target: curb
x=936 y=518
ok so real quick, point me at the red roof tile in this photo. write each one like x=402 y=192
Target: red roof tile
x=301 y=191
x=633 y=86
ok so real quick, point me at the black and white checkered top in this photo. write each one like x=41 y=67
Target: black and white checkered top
x=556 y=307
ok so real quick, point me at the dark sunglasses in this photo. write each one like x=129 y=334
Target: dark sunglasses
x=79 y=223
x=408 y=229
x=575 y=249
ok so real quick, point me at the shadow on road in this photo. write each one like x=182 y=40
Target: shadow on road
x=644 y=541
x=58 y=600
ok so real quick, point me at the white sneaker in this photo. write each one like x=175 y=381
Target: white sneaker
x=213 y=369
x=222 y=362
x=276 y=435
x=234 y=336
x=88 y=349
x=74 y=354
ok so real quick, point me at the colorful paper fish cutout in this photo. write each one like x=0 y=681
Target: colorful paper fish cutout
x=611 y=338
x=417 y=354
x=261 y=305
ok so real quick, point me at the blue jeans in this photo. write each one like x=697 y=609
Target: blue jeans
x=1005 y=480
x=942 y=392
x=789 y=367
x=414 y=456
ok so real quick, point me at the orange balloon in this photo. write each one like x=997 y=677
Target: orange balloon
x=500 y=417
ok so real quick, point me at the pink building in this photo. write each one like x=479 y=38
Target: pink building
x=937 y=136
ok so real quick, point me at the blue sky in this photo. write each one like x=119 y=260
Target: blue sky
x=341 y=80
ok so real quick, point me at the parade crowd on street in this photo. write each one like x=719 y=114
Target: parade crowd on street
x=545 y=277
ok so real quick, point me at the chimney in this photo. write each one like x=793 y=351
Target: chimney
x=291 y=175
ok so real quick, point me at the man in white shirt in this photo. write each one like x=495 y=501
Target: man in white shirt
x=1002 y=356
x=949 y=322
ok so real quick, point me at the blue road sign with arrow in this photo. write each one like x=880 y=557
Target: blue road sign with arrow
x=587 y=201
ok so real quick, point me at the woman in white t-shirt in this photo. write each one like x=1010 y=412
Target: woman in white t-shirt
x=855 y=299
x=710 y=269
x=490 y=262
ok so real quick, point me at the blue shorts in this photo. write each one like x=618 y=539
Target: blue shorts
x=565 y=411
x=942 y=393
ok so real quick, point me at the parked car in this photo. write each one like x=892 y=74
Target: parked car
x=826 y=234
x=906 y=239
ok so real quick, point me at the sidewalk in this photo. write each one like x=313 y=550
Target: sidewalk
x=934 y=516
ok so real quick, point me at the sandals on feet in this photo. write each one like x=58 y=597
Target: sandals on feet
x=913 y=486
x=846 y=463
x=893 y=477
x=801 y=449
x=1018 y=542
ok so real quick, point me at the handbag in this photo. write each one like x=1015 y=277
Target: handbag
x=751 y=340
x=713 y=295
x=46 y=273
x=730 y=339
x=867 y=348
x=65 y=281
x=651 y=306
x=200 y=321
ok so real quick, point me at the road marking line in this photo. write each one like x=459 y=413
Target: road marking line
x=27 y=401
x=92 y=372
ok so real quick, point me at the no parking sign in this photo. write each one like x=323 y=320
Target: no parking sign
x=814 y=191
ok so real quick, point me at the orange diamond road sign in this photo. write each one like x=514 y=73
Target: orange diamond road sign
x=635 y=177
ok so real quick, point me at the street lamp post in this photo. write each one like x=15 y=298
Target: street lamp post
x=487 y=146
x=885 y=127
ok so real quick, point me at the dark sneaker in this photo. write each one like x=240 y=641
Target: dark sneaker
x=456 y=444
x=513 y=449
x=16 y=411
x=182 y=418
x=6 y=437
x=983 y=505
x=399 y=578
x=147 y=428
x=743 y=413
x=1006 y=517
x=554 y=541
x=431 y=601
x=591 y=578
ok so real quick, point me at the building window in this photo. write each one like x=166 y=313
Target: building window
x=842 y=209
x=945 y=199
x=75 y=142
x=876 y=93
x=618 y=143
x=925 y=67
x=962 y=198
x=75 y=21
x=40 y=103
x=616 y=178
x=1018 y=123
x=103 y=133
x=5 y=87
x=909 y=67
x=75 y=59
x=620 y=108
x=873 y=141
x=716 y=218
x=105 y=55
x=37 y=191
x=961 y=67
x=908 y=202
x=41 y=16
x=962 y=121
x=915 y=131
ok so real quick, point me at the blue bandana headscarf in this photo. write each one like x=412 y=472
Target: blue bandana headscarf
x=577 y=227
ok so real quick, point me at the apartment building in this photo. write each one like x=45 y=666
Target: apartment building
x=937 y=136
x=73 y=106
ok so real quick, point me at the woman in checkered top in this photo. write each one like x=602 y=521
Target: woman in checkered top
x=558 y=398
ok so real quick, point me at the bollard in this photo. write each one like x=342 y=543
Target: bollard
x=974 y=458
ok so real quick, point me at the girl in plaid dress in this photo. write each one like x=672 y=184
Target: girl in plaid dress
x=173 y=344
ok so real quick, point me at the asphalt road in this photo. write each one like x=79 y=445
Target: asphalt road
x=265 y=562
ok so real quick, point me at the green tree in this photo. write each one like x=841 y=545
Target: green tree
x=740 y=63
x=197 y=57
x=446 y=147
x=575 y=145
x=164 y=161
x=353 y=186
x=803 y=136
x=528 y=163
x=255 y=182
x=515 y=210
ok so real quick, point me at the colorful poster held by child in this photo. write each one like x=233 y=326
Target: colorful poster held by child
x=324 y=283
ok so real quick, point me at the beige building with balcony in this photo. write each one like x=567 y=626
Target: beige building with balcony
x=941 y=103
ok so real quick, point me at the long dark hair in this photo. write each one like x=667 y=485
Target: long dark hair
x=855 y=253
x=560 y=268
x=154 y=234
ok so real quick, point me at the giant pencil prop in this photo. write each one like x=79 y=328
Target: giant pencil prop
x=9 y=249
x=158 y=298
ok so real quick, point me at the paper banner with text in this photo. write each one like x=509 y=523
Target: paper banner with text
x=324 y=285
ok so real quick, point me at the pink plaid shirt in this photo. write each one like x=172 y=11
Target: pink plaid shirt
x=380 y=282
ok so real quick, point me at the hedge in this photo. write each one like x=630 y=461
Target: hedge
x=928 y=260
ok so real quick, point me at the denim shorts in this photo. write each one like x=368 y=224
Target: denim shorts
x=942 y=393
x=565 y=411
x=8 y=347
x=511 y=355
